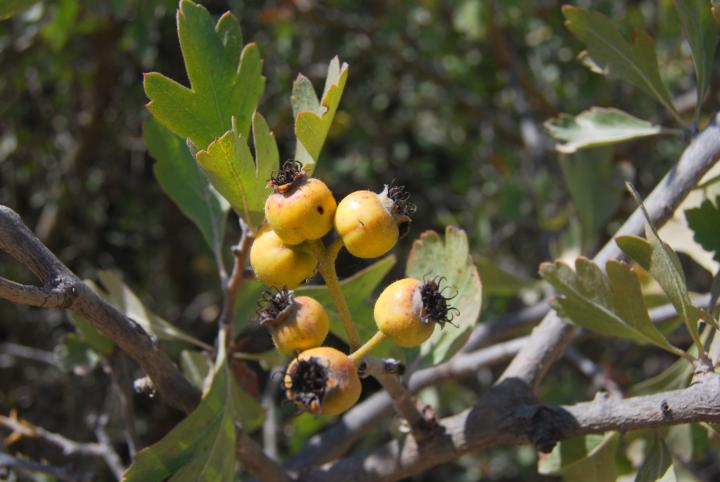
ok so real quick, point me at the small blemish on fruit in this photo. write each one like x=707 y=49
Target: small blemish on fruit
x=320 y=210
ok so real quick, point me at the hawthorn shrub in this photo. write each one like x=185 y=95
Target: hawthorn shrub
x=314 y=334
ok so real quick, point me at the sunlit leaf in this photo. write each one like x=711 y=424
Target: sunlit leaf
x=313 y=119
x=609 y=304
x=230 y=166
x=590 y=458
x=226 y=83
x=704 y=221
x=635 y=62
x=450 y=258
x=701 y=32
x=182 y=180
x=596 y=127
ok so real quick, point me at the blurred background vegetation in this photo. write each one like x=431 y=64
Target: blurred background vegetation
x=446 y=97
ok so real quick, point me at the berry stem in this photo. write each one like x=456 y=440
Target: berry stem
x=326 y=266
x=369 y=346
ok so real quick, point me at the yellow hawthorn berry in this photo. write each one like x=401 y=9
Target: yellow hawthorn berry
x=323 y=381
x=408 y=309
x=296 y=323
x=278 y=265
x=370 y=223
x=301 y=208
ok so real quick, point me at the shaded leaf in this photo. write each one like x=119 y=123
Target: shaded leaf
x=231 y=169
x=609 y=304
x=313 y=119
x=178 y=174
x=358 y=290
x=701 y=32
x=592 y=179
x=450 y=258
x=121 y=297
x=195 y=365
x=267 y=157
x=8 y=8
x=202 y=446
x=90 y=335
x=704 y=221
x=590 y=458
x=76 y=355
x=225 y=83
x=634 y=62
x=658 y=464
x=596 y=127
x=498 y=281
x=674 y=377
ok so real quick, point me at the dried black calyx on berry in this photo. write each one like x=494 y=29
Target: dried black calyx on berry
x=401 y=200
x=289 y=176
x=435 y=303
x=306 y=383
x=274 y=307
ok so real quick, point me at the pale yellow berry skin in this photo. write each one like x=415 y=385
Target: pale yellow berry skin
x=304 y=212
x=343 y=384
x=397 y=313
x=305 y=326
x=277 y=264
x=365 y=222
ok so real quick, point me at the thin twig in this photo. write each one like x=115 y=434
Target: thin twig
x=112 y=459
x=60 y=473
x=121 y=383
x=28 y=353
x=270 y=425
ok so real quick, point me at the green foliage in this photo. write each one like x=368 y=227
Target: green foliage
x=609 y=304
x=658 y=463
x=231 y=169
x=590 y=458
x=634 y=62
x=195 y=365
x=226 y=83
x=704 y=221
x=76 y=355
x=701 y=32
x=358 y=290
x=8 y=8
x=178 y=174
x=497 y=281
x=121 y=297
x=596 y=127
x=448 y=258
x=314 y=117
x=201 y=447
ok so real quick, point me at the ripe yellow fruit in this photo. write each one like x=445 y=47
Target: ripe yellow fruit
x=408 y=310
x=323 y=381
x=277 y=264
x=301 y=208
x=296 y=323
x=369 y=223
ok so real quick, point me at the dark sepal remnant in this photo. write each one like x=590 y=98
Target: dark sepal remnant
x=306 y=382
x=435 y=303
x=289 y=176
x=274 y=307
x=401 y=200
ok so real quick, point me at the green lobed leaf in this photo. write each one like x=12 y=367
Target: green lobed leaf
x=634 y=62
x=662 y=263
x=658 y=463
x=9 y=8
x=313 y=119
x=121 y=297
x=609 y=304
x=701 y=32
x=450 y=258
x=590 y=458
x=597 y=126
x=226 y=82
x=179 y=176
x=704 y=221
x=592 y=179
x=231 y=169
x=358 y=290
x=202 y=446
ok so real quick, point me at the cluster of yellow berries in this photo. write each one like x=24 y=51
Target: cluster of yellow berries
x=299 y=212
